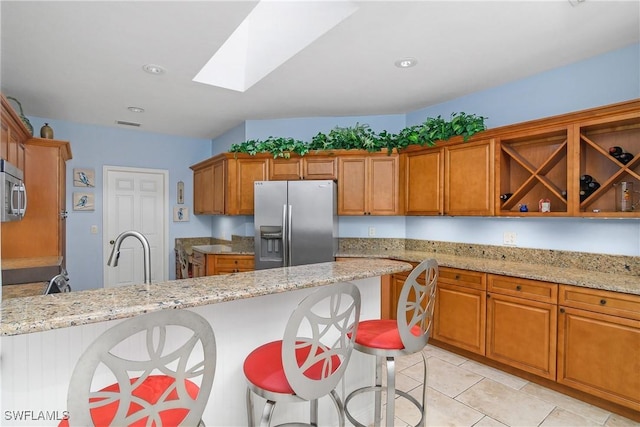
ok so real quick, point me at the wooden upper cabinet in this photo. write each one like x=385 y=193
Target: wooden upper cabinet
x=13 y=135
x=45 y=178
x=224 y=184
x=369 y=184
x=424 y=180
x=209 y=188
x=469 y=178
x=310 y=166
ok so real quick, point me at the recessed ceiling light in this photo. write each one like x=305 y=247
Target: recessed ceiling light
x=136 y=109
x=406 y=62
x=153 y=69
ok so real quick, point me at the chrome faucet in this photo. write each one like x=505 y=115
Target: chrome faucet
x=113 y=260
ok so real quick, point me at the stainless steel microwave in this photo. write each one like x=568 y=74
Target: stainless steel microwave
x=14 y=192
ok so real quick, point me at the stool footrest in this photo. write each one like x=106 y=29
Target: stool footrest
x=379 y=388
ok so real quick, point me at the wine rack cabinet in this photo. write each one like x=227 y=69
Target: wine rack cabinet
x=544 y=162
x=533 y=168
x=595 y=139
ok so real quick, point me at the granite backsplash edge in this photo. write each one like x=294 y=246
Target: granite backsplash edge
x=615 y=264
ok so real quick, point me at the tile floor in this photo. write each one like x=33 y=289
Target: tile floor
x=462 y=392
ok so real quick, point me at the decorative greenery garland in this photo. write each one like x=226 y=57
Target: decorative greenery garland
x=361 y=137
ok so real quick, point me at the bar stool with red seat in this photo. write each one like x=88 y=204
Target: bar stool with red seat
x=407 y=334
x=152 y=370
x=310 y=360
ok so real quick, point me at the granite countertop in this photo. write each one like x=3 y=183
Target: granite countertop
x=625 y=283
x=221 y=249
x=46 y=312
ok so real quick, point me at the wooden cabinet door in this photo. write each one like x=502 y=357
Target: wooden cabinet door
x=203 y=190
x=319 y=167
x=219 y=190
x=352 y=185
x=460 y=310
x=424 y=183
x=281 y=169
x=469 y=179
x=241 y=174
x=600 y=354
x=460 y=315
x=369 y=185
x=383 y=195
x=13 y=135
x=522 y=333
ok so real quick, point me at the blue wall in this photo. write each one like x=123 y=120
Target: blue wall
x=96 y=146
x=609 y=78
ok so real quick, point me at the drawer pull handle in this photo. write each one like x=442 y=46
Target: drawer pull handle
x=518 y=288
x=603 y=301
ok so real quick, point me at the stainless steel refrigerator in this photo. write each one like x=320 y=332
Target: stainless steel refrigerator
x=296 y=222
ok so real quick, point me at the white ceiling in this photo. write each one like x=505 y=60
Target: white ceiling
x=81 y=61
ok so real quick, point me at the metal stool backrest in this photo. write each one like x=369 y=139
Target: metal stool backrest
x=176 y=343
x=416 y=304
x=326 y=320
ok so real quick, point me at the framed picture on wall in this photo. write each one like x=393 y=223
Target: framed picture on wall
x=83 y=202
x=84 y=177
x=180 y=214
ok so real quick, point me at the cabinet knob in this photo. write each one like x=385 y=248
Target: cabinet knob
x=488 y=295
x=457 y=277
x=518 y=288
x=562 y=310
x=603 y=301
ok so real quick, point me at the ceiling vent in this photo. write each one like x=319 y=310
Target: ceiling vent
x=122 y=122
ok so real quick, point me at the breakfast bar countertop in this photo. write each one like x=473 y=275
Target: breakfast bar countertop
x=47 y=312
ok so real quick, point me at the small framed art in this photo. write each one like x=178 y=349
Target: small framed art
x=84 y=177
x=180 y=214
x=84 y=202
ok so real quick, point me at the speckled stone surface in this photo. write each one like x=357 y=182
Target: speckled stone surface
x=598 y=271
x=46 y=312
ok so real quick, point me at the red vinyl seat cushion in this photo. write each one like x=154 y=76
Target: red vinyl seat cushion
x=263 y=367
x=382 y=333
x=150 y=390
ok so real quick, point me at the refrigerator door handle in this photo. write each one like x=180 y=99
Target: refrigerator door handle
x=289 y=255
x=285 y=240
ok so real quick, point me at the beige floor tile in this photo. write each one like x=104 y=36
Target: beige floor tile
x=489 y=422
x=407 y=361
x=562 y=418
x=449 y=379
x=568 y=403
x=616 y=420
x=441 y=354
x=445 y=411
x=495 y=374
x=504 y=404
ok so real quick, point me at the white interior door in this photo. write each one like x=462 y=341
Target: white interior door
x=135 y=199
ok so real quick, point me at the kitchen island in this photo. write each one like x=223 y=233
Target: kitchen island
x=43 y=336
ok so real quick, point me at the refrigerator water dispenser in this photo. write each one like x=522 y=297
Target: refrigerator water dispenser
x=271 y=239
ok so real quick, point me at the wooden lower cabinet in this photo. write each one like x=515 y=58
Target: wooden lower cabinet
x=522 y=324
x=460 y=310
x=599 y=344
x=213 y=264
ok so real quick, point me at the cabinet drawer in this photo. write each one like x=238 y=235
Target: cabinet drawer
x=523 y=288
x=466 y=278
x=235 y=262
x=608 y=302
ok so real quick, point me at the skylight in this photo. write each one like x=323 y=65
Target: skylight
x=273 y=32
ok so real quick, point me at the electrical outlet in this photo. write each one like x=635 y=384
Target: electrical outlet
x=509 y=238
x=94 y=229
x=372 y=231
